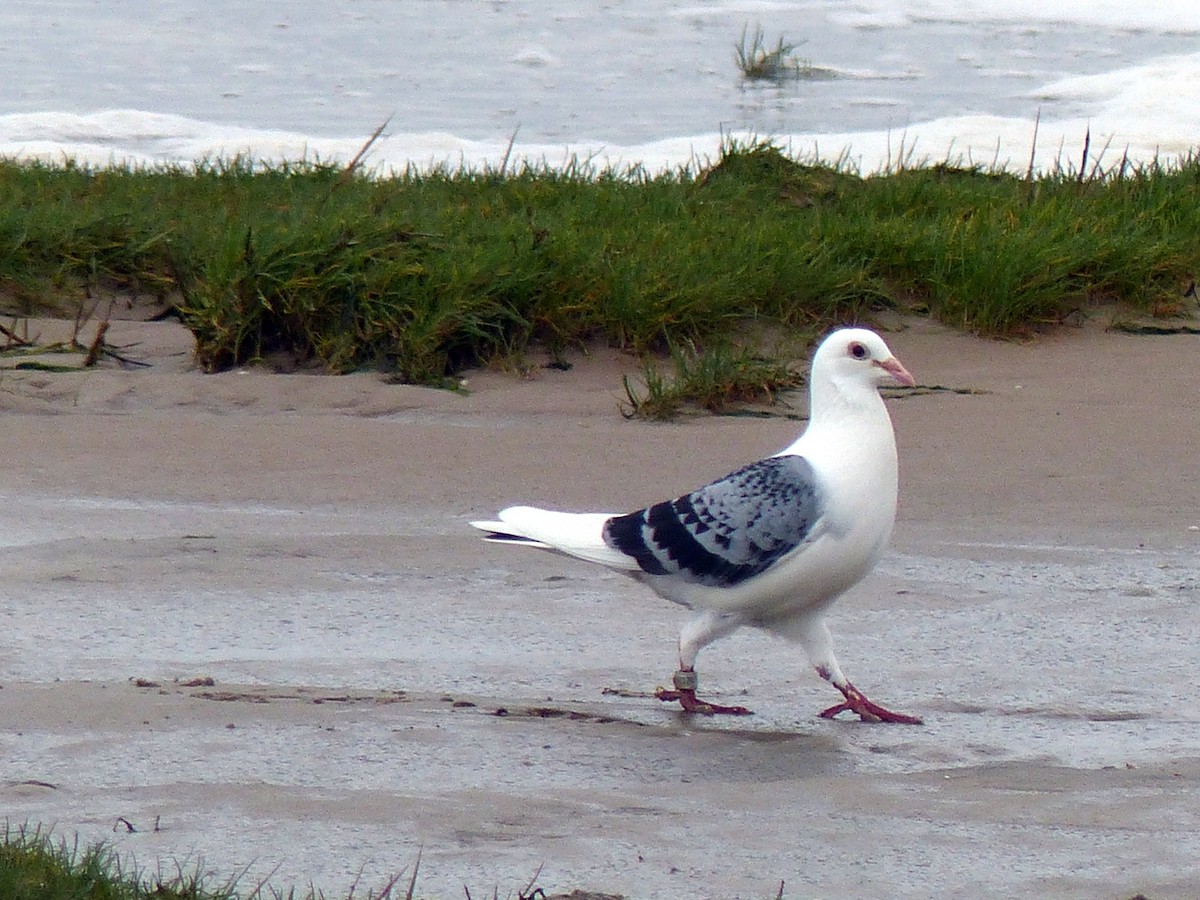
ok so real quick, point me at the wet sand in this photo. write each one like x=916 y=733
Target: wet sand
x=383 y=684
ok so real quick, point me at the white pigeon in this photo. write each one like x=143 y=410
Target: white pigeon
x=771 y=545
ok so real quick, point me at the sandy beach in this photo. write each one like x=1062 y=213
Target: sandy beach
x=248 y=629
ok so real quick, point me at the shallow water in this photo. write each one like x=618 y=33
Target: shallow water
x=1015 y=676
x=1015 y=640
x=449 y=72
x=626 y=73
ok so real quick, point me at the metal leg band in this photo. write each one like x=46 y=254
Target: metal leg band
x=686 y=681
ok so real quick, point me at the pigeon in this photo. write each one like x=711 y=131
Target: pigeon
x=771 y=545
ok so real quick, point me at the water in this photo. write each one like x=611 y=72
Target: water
x=651 y=82
x=1057 y=758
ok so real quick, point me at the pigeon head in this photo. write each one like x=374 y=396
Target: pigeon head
x=858 y=355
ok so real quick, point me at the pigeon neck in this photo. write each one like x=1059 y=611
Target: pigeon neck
x=834 y=400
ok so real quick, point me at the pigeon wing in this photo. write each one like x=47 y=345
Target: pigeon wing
x=727 y=531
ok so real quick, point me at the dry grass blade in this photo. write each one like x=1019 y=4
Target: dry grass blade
x=14 y=340
x=525 y=894
x=1037 y=121
x=362 y=151
x=412 y=882
x=1087 y=143
x=356 y=161
x=96 y=348
x=512 y=140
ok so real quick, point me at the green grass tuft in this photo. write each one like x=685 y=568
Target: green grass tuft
x=715 y=381
x=759 y=62
x=33 y=866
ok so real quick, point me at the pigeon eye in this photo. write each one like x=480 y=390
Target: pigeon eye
x=858 y=351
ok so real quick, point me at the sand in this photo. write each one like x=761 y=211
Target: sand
x=246 y=628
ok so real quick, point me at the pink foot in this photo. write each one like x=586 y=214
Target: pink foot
x=867 y=710
x=685 y=692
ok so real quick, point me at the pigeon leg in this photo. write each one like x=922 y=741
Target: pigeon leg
x=818 y=643
x=686 y=683
x=867 y=710
x=696 y=634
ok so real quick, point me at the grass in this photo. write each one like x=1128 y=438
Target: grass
x=35 y=866
x=757 y=61
x=424 y=274
x=723 y=378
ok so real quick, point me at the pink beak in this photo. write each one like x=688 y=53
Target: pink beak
x=893 y=367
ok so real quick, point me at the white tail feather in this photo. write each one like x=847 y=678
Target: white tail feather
x=575 y=534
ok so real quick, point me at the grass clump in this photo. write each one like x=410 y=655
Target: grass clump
x=714 y=381
x=35 y=867
x=425 y=273
x=758 y=61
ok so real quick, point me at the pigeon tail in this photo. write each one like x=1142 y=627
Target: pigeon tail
x=575 y=534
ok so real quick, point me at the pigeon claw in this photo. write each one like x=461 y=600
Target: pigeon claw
x=693 y=704
x=867 y=710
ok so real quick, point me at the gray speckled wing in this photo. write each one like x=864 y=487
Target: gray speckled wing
x=727 y=531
